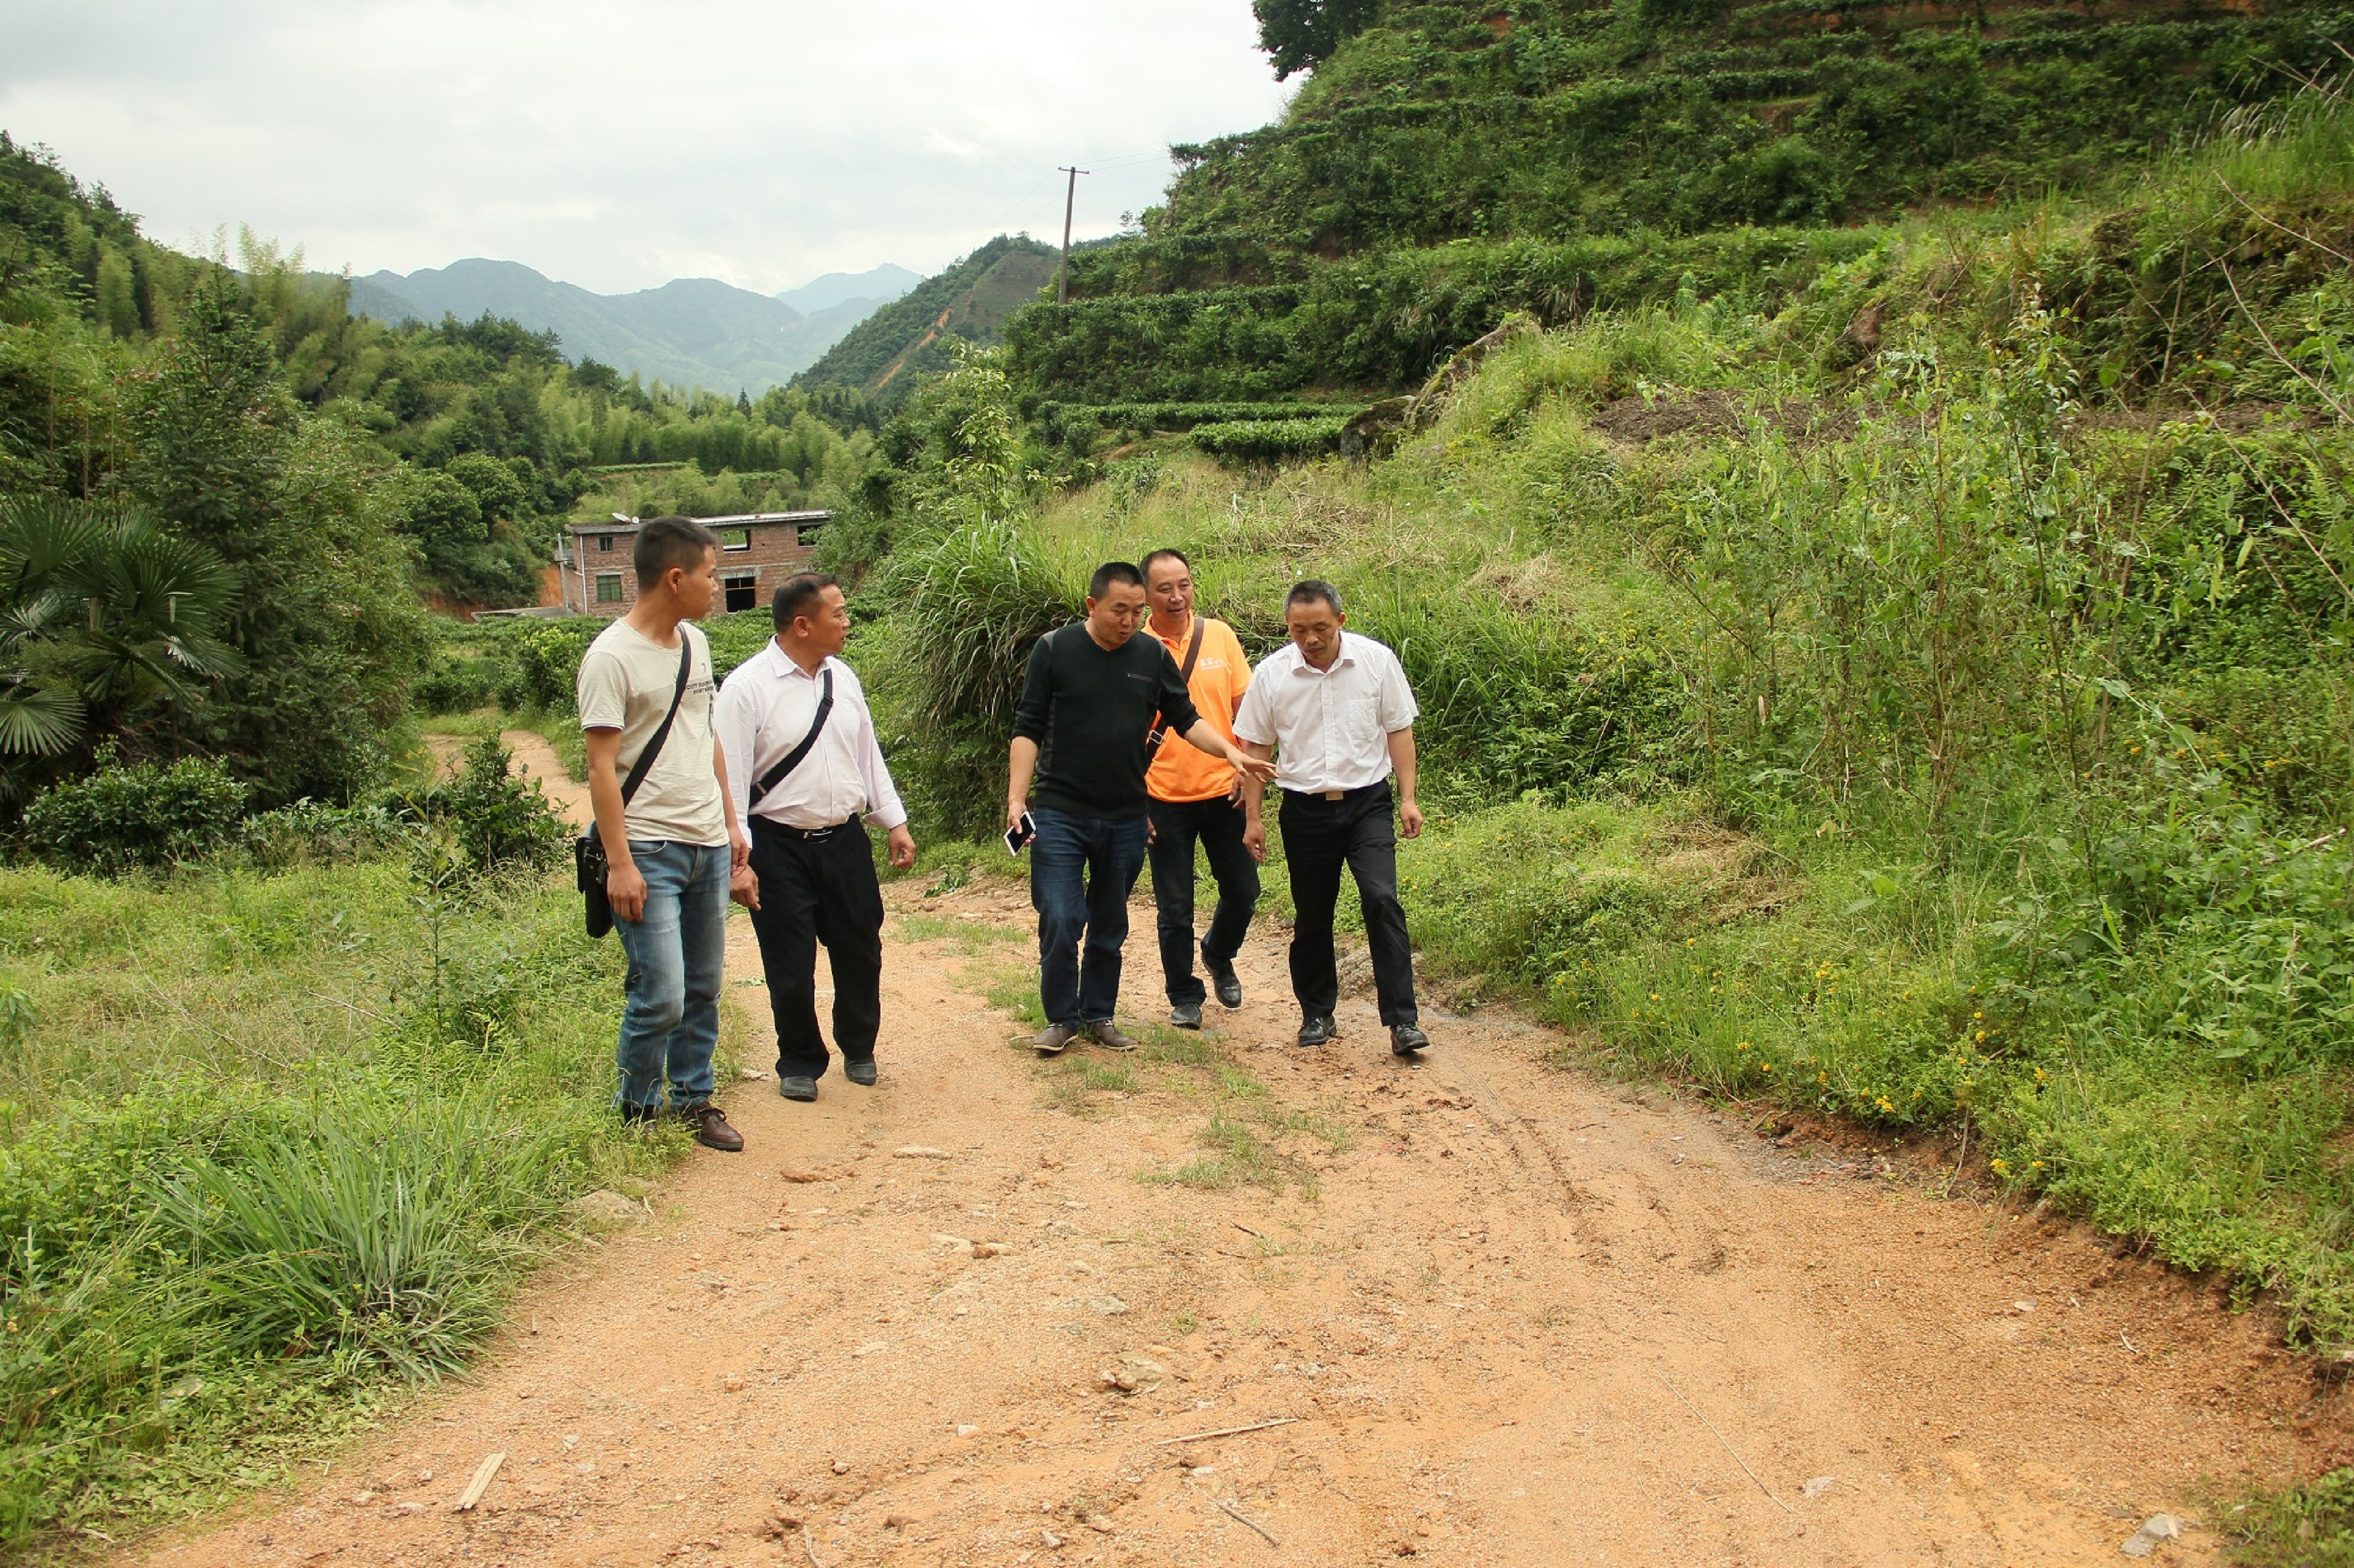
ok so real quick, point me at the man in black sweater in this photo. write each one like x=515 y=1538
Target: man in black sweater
x=1094 y=694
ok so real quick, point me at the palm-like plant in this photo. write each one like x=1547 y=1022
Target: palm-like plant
x=104 y=617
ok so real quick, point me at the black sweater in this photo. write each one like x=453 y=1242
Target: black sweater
x=1089 y=711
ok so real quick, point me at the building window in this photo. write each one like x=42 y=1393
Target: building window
x=605 y=542
x=805 y=534
x=735 y=538
x=743 y=590
x=608 y=587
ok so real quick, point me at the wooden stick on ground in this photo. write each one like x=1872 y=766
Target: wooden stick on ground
x=1231 y=1511
x=809 y=1544
x=1736 y=1458
x=1227 y=1431
x=483 y=1472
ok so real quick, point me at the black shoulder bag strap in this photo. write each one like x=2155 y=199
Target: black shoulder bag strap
x=793 y=759
x=1159 y=733
x=645 y=762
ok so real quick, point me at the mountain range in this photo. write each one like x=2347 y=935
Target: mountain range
x=691 y=332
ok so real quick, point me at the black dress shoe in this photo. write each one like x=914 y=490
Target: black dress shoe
x=1317 y=1031
x=1405 y=1040
x=859 y=1072
x=797 y=1089
x=1222 y=979
x=1186 y=1015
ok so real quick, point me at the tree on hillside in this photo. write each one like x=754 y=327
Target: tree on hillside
x=325 y=618
x=1300 y=35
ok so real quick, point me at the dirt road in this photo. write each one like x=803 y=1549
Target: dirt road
x=1502 y=1313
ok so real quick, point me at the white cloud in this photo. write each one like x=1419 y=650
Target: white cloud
x=611 y=142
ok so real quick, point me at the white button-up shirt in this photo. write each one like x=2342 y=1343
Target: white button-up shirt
x=1329 y=728
x=764 y=710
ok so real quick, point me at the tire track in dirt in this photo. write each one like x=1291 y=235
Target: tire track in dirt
x=1481 y=1327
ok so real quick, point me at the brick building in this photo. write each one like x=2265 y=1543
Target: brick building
x=757 y=550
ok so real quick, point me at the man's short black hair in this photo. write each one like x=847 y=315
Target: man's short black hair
x=798 y=596
x=1310 y=590
x=1166 y=554
x=1111 y=572
x=667 y=542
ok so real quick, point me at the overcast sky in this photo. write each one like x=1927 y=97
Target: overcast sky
x=619 y=143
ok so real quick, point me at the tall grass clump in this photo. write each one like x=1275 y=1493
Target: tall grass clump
x=274 y=1145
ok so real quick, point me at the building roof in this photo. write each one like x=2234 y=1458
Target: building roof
x=620 y=524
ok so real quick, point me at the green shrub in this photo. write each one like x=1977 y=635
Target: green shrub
x=144 y=815
x=1269 y=441
x=502 y=820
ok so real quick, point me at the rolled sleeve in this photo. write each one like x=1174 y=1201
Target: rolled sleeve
x=883 y=809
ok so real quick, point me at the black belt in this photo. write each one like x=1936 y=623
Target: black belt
x=763 y=824
x=1359 y=793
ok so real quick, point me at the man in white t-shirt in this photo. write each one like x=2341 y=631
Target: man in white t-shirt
x=1334 y=710
x=672 y=843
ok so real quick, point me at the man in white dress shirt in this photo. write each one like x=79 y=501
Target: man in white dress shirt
x=1334 y=710
x=805 y=767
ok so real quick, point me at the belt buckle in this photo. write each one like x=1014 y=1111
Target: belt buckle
x=814 y=834
x=1336 y=794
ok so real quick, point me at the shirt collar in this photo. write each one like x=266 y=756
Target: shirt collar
x=1300 y=661
x=786 y=669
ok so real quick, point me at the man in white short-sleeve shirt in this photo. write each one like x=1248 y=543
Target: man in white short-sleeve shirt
x=1335 y=712
x=672 y=846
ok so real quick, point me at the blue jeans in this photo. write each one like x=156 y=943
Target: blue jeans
x=1081 y=872
x=678 y=953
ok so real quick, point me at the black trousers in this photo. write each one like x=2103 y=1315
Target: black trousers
x=1320 y=837
x=812 y=891
x=1217 y=825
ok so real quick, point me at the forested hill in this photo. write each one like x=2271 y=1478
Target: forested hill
x=889 y=352
x=691 y=332
x=1444 y=163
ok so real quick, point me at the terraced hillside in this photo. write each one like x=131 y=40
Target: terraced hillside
x=1453 y=162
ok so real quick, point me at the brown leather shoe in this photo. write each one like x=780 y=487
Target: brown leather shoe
x=711 y=1129
x=1055 y=1038
x=1109 y=1037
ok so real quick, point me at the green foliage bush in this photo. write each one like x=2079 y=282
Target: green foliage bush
x=144 y=815
x=503 y=821
x=1268 y=440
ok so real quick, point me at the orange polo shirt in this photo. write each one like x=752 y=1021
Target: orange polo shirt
x=1221 y=675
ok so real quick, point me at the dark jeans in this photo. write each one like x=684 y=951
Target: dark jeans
x=677 y=952
x=1082 y=870
x=1319 y=836
x=1218 y=824
x=812 y=891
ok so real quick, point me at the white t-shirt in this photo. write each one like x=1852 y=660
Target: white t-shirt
x=625 y=683
x=1329 y=728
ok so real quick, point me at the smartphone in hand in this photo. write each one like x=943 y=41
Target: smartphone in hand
x=1016 y=837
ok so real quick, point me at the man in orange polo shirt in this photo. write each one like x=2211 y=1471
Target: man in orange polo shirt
x=1191 y=798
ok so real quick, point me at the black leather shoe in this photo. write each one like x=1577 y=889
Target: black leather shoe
x=1222 y=979
x=1186 y=1015
x=1055 y=1038
x=797 y=1089
x=711 y=1129
x=1317 y=1031
x=859 y=1072
x=1405 y=1040
x=1109 y=1036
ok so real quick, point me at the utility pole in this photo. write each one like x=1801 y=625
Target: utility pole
x=1070 y=200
